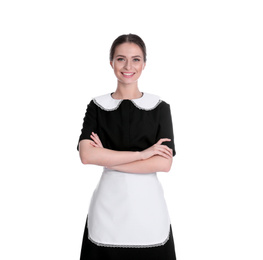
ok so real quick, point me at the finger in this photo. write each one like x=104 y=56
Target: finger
x=165 y=149
x=96 y=137
x=169 y=150
x=93 y=138
x=163 y=140
x=165 y=155
x=162 y=149
x=93 y=144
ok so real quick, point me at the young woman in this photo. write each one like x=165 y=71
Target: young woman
x=129 y=133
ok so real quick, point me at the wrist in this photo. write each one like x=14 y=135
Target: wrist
x=140 y=156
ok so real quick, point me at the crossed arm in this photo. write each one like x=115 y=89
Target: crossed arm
x=157 y=158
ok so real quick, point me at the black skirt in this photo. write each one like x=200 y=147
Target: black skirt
x=91 y=251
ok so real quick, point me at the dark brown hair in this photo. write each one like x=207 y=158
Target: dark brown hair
x=132 y=38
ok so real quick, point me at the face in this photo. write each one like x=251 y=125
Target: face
x=128 y=63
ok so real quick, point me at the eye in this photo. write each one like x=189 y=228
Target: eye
x=120 y=59
x=136 y=59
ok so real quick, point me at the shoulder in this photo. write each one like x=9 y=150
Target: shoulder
x=106 y=102
x=147 y=101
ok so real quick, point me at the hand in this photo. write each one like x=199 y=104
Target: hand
x=158 y=149
x=96 y=140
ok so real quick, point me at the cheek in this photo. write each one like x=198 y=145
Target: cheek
x=117 y=72
x=117 y=66
x=140 y=68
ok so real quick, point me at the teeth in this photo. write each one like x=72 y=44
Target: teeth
x=127 y=74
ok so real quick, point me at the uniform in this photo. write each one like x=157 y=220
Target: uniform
x=128 y=216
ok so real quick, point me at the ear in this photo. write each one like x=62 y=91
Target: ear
x=111 y=63
x=144 y=64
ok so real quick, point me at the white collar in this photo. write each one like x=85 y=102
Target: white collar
x=146 y=102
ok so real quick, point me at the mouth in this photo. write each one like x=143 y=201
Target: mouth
x=127 y=74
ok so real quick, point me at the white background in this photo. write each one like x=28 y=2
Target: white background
x=204 y=58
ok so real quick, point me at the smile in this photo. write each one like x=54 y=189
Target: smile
x=127 y=74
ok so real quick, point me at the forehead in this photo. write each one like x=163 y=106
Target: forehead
x=128 y=49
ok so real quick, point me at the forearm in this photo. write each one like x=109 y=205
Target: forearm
x=105 y=157
x=154 y=164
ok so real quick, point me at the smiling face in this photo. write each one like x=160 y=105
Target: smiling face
x=128 y=63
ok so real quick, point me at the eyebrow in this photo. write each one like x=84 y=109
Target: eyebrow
x=132 y=56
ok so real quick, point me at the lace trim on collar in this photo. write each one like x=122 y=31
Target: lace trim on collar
x=146 y=102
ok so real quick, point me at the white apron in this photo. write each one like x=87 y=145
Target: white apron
x=128 y=210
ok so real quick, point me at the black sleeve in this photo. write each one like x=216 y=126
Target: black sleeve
x=165 y=126
x=89 y=122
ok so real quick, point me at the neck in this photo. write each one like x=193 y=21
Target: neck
x=130 y=91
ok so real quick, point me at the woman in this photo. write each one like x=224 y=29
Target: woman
x=130 y=134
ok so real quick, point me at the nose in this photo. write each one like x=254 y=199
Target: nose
x=127 y=64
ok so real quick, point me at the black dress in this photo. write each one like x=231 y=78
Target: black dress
x=128 y=216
